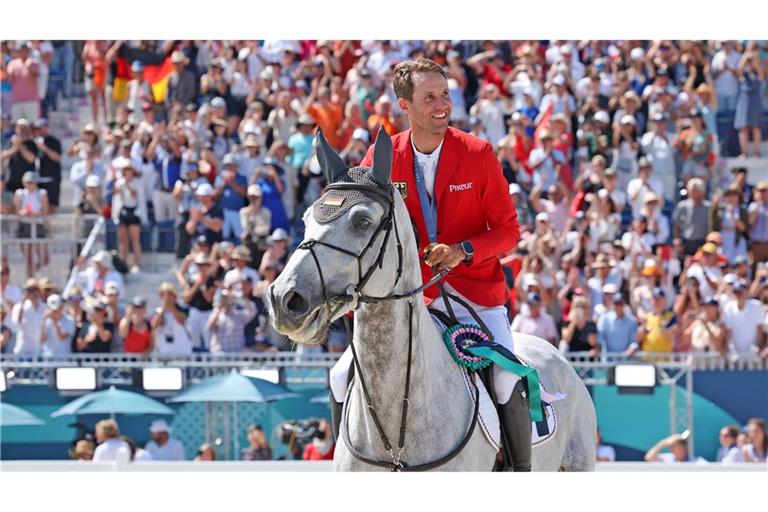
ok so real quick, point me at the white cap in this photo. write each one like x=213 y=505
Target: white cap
x=218 y=102
x=103 y=258
x=730 y=278
x=602 y=116
x=530 y=280
x=542 y=216
x=204 y=189
x=93 y=181
x=628 y=119
x=558 y=80
x=361 y=134
x=514 y=188
x=255 y=190
x=159 y=426
x=54 y=302
x=637 y=53
x=610 y=288
x=111 y=288
x=649 y=263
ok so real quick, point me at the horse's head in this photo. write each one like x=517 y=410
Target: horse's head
x=351 y=246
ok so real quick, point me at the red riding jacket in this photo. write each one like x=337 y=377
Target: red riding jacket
x=473 y=204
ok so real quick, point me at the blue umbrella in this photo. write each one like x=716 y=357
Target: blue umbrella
x=12 y=416
x=113 y=401
x=234 y=387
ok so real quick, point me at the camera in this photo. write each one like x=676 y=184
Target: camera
x=297 y=434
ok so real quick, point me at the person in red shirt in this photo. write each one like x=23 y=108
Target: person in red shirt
x=322 y=446
x=457 y=197
x=136 y=330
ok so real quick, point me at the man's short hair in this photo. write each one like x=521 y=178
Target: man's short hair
x=403 y=79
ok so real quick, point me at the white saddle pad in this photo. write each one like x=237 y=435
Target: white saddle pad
x=488 y=419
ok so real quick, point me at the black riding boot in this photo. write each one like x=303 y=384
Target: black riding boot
x=336 y=409
x=516 y=427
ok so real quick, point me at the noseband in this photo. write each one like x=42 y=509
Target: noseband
x=354 y=294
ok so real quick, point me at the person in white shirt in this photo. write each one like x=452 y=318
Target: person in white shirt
x=94 y=279
x=58 y=328
x=111 y=447
x=27 y=317
x=490 y=109
x=744 y=320
x=11 y=294
x=163 y=446
x=658 y=224
x=170 y=324
x=637 y=188
x=241 y=257
x=725 y=64
x=706 y=271
x=657 y=144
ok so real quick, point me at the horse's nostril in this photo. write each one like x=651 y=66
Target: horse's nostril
x=296 y=303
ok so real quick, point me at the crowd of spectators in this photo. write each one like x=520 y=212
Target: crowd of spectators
x=635 y=236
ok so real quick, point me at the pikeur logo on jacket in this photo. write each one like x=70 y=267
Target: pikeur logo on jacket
x=472 y=204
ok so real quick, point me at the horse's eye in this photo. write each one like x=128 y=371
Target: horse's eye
x=363 y=223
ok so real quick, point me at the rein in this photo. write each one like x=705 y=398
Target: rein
x=354 y=294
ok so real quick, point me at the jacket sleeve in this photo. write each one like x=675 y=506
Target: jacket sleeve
x=500 y=215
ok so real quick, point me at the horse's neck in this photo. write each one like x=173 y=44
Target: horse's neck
x=382 y=342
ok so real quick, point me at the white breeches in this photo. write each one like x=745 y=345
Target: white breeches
x=495 y=318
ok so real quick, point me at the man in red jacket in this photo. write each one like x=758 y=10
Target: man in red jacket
x=456 y=194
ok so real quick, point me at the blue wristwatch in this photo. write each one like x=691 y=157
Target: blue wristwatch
x=469 y=251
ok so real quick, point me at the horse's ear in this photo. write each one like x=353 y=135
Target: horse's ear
x=382 y=158
x=330 y=162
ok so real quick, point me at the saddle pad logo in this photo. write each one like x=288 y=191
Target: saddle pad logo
x=401 y=187
x=333 y=201
x=460 y=187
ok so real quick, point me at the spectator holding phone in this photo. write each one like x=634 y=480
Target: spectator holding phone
x=135 y=329
x=169 y=324
x=95 y=335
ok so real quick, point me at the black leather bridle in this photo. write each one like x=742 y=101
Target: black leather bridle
x=355 y=294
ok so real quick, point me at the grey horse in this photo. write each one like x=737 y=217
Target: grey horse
x=440 y=408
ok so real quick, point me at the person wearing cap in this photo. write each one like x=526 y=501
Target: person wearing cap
x=488 y=113
x=198 y=290
x=705 y=268
x=520 y=200
x=206 y=219
x=48 y=153
x=22 y=73
x=31 y=203
x=659 y=330
x=359 y=140
x=535 y=321
x=301 y=142
x=230 y=194
x=546 y=161
x=169 y=323
x=692 y=216
x=135 y=329
x=658 y=224
x=139 y=92
x=182 y=83
x=90 y=163
x=256 y=221
x=743 y=318
x=241 y=256
x=558 y=97
x=27 y=318
x=97 y=333
x=626 y=146
x=695 y=147
x=20 y=156
x=57 y=329
x=277 y=249
x=758 y=224
x=617 y=328
x=730 y=219
x=129 y=211
x=163 y=446
x=645 y=183
x=230 y=315
x=657 y=146
x=94 y=279
x=91 y=203
x=706 y=333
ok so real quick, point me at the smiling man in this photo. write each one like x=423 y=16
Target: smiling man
x=456 y=194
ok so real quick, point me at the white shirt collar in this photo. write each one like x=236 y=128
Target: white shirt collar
x=424 y=156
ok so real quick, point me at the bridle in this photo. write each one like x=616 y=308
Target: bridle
x=354 y=294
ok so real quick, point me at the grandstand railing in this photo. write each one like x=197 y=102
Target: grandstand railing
x=65 y=234
x=120 y=368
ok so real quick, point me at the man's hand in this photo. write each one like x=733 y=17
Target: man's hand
x=442 y=256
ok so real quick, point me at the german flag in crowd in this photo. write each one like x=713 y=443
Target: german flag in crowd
x=155 y=74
